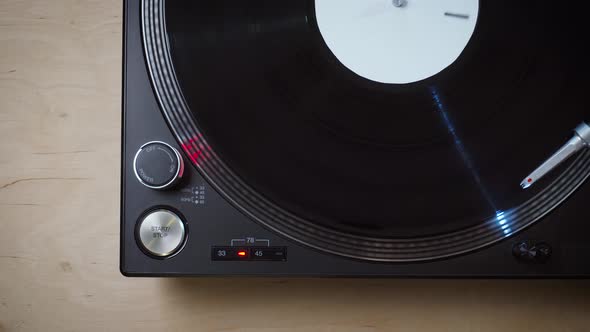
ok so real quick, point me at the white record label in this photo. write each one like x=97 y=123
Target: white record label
x=397 y=41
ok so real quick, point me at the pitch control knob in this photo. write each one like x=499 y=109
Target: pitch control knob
x=158 y=165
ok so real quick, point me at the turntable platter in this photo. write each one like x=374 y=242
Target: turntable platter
x=316 y=149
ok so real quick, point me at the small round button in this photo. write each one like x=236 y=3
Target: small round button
x=161 y=233
x=158 y=165
x=527 y=251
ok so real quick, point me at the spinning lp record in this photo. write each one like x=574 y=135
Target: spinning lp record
x=380 y=130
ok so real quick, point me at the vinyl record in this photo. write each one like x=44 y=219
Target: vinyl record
x=302 y=130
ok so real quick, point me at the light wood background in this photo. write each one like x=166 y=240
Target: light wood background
x=60 y=79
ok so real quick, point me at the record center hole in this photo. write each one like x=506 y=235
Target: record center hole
x=400 y=3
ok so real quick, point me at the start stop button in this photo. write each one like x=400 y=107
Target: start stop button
x=161 y=233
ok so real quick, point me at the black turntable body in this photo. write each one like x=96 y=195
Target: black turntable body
x=257 y=141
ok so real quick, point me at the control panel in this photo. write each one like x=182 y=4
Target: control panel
x=228 y=253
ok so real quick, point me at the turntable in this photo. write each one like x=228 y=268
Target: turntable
x=355 y=138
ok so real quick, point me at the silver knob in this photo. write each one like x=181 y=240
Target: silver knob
x=158 y=165
x=161 y=233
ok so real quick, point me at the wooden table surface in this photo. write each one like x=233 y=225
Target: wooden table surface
x=60 y=81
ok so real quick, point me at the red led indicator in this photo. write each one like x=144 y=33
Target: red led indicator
x=530 y=180
x=242 y=253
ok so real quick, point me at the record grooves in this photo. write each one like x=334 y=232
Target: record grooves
x=333 y=238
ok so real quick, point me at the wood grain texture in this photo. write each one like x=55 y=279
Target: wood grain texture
x=60 y=65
